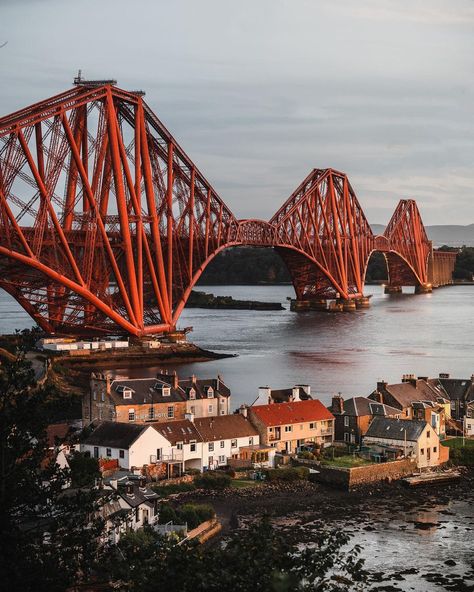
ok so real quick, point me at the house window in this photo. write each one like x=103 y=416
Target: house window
x=428 y=434
x=222 y=412
x=102 y=397
x=250 y=441
x=210 y=393
x=179 y=445
x=166 y=391
x=211 y=446
x=346 y=421
x=96 y=452
x=210 y=461
x=192 y=446
x=353 y=438
x=222 y=460
x=151 y=413
x=422 y=451
x=131 y=415
x=158 y=454
x=346 y=437
x=288 y=428
x=270 y=430
x=222 y=443
x=170 y=412
x=122 y=453
x=108 y=452
x=193 y=409
x=94 y=395
x=192 y=394
x=435 y=449
x=210 y=408
x=233 y=443
x=312 y=426
x=137 y=514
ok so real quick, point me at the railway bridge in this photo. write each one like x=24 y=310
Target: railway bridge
x=106 y=224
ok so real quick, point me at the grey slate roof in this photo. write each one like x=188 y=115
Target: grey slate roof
x=395 y=429
x=115 y=434
x=359 y=406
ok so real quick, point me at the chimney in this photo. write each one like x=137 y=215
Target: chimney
x=129 y=488
x=175 y=380
x=305 y=387
x=337 y=405
x=381 y=385
x=295 y=394
x=243 y=410
x=264 y=396
x=444 y=375
x=189 y=416
x=218 y=382
x=377 y=394
x=193 y=379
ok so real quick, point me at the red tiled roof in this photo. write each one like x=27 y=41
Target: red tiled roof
x=287 y=413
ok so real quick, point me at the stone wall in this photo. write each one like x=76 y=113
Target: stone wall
x=346 y=478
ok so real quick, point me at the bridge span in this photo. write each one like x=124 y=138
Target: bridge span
x=106 y=224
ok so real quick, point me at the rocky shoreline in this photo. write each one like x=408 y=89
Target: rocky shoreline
x=388 y=512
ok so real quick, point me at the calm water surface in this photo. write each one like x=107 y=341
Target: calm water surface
x=422 y=334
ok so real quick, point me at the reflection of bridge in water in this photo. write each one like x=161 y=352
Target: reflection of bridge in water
x=106 y=224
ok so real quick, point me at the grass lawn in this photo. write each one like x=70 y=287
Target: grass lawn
x=347 y=461
x=239 y=483
x=457 y=442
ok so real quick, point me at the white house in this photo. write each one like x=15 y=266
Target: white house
x=132 y=507
x=132 y=445
x=413 y=439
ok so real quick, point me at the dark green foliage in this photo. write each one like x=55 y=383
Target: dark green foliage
x=191 y=514
x=288 y=474
x=212 y=480
x=84 y=470
x=165 y=490
x=246 y=266
x=464 y=268
x=32 y=498
x=463 y=455
x=258 y=559
x=376 y=268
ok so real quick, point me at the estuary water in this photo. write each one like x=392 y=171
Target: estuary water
x=348 y=352
x=422 y=334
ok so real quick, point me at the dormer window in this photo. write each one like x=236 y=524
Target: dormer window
x=166 y=391
x=210 y=392
x=127 y=393
x=192 y=394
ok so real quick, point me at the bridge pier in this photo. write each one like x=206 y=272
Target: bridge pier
x=362 y=302
x=392 y=290
x=423 y=289
x=301 y=305
x=348 y=305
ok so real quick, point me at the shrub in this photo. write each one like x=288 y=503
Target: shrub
x=167 y=514
x=288 y=474
x=306 y=455
x=212 y=480
x=191 y=514
x=230 y=472
x=193 y=472
x=165 y=490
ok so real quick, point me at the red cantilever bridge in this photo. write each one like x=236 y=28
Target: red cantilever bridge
x=106 y=224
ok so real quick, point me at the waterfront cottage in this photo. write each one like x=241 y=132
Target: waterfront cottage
x=132 y=507
x=287 y=426
x=131 y=445
x=353 y=416
x=389 y=438
x=161 y=399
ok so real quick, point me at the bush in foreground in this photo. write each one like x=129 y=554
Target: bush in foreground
x=213 y=480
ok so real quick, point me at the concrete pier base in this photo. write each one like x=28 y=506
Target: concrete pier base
x=299 y=305
x=362 y=302
x=423 y=289
x=347 y=305
x=393 y=290
x=335 y=306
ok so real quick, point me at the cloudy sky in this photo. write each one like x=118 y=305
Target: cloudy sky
x=259 y=92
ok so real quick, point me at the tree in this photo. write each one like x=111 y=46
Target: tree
x=258 y=559
x=49 y=540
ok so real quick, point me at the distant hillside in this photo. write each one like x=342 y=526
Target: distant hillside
x=453 y=235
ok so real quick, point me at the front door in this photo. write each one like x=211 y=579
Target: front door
x=428 y=454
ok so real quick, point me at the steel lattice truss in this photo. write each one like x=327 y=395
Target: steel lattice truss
x=106 y=224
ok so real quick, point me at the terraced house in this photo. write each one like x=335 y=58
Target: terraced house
x=287 y=426
x=161 y=399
